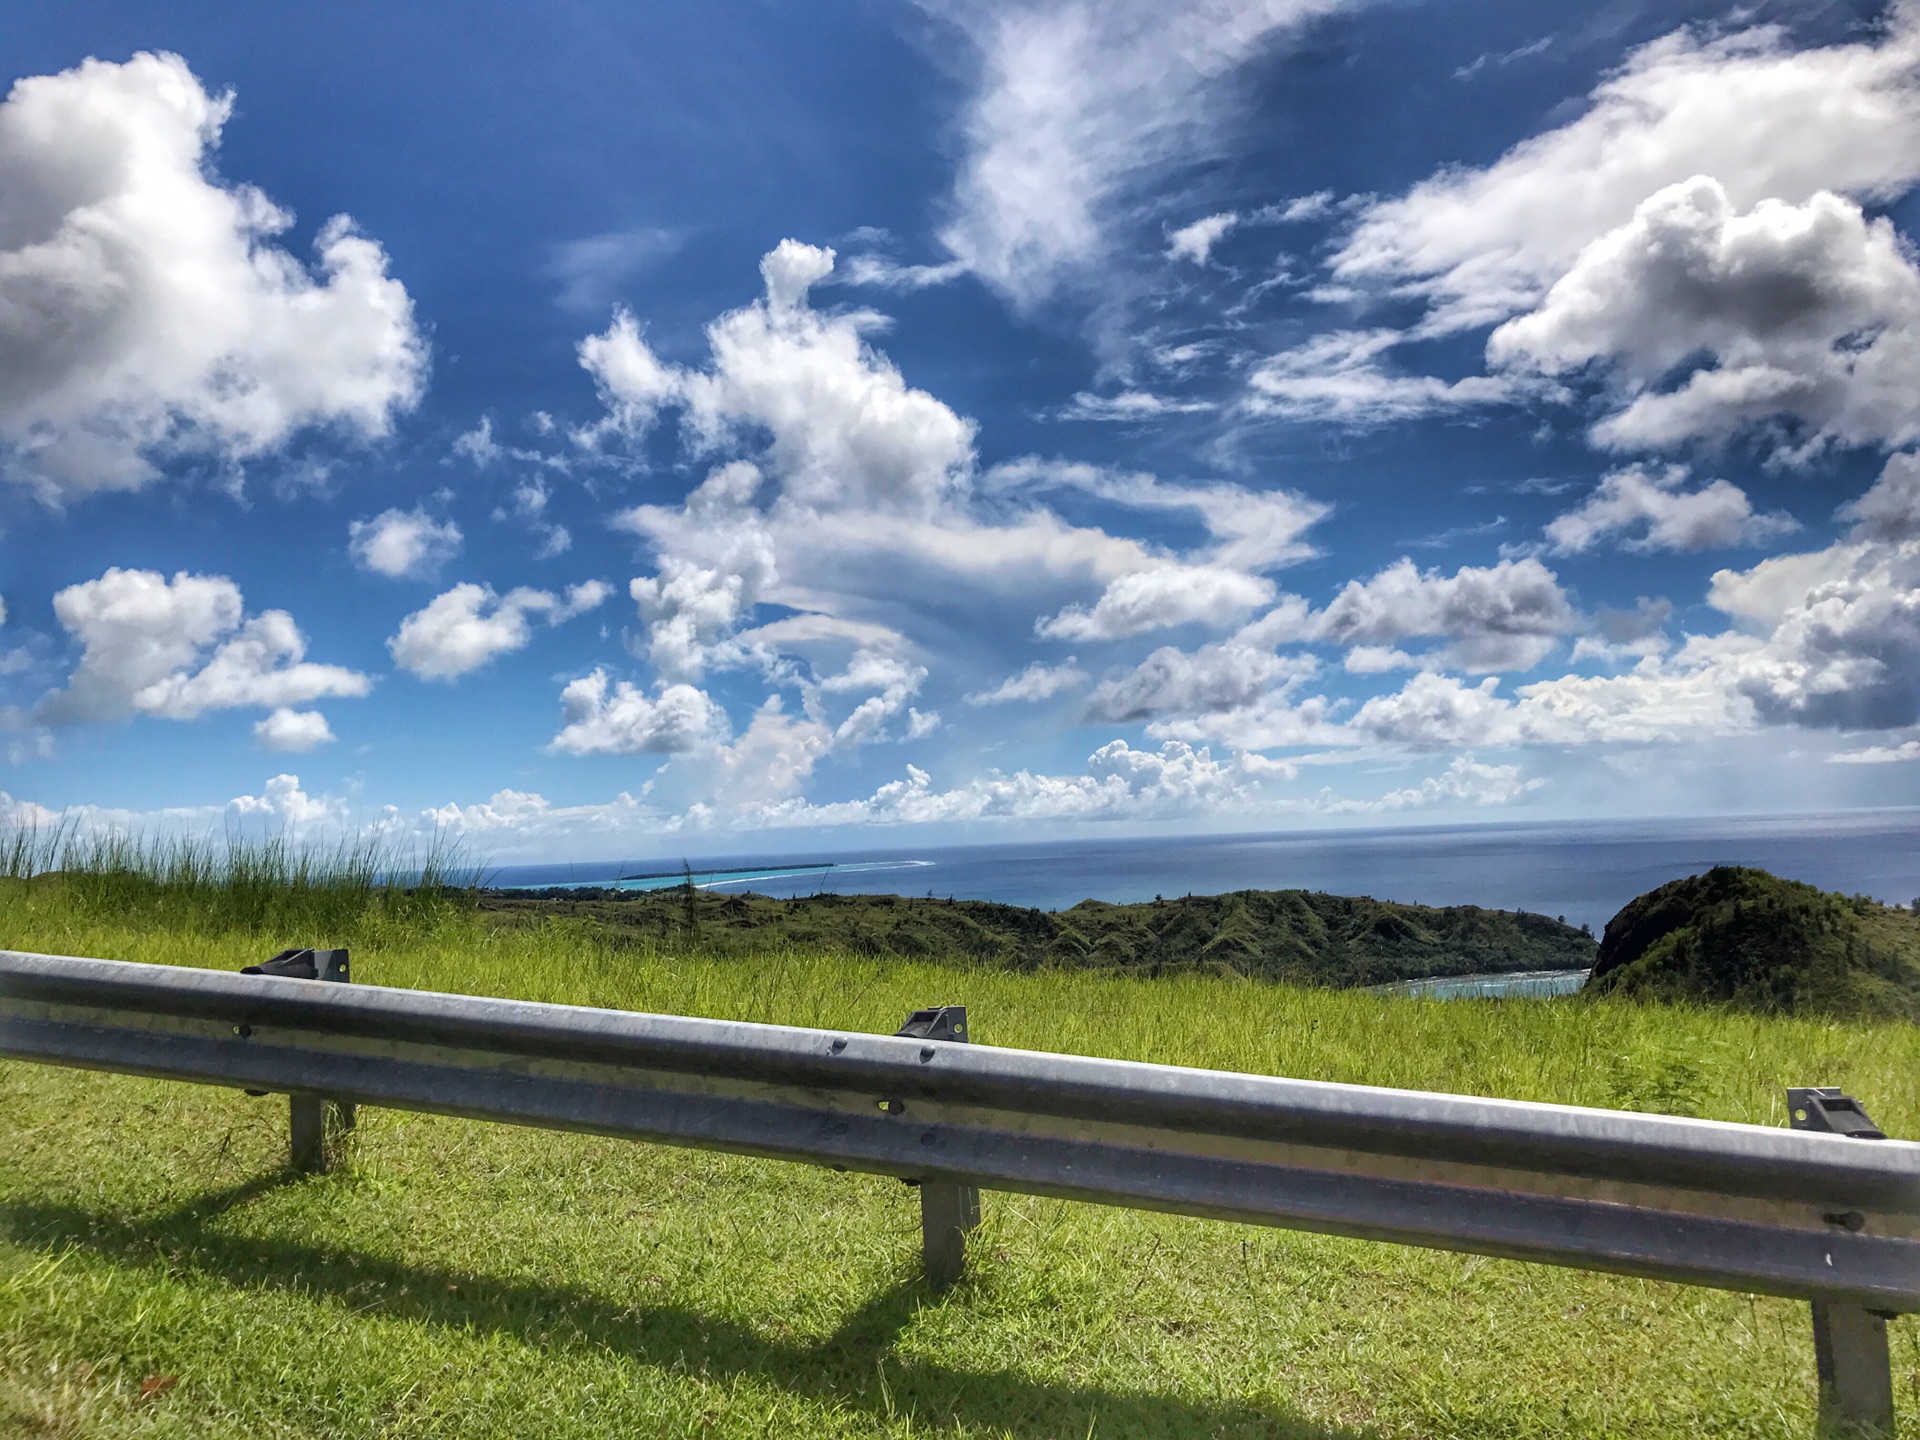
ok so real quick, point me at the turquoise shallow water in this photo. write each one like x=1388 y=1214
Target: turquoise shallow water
x=1584 y=872
x=1520 y=985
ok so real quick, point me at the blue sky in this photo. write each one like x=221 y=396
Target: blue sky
x=603 y=429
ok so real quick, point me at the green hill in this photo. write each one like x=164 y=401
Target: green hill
x=1294 y=935
x=1738 y=936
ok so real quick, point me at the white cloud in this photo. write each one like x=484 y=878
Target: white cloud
x=1504 y=58
x=852 y=500
x=1464 y=782
x=294 y=730
x=1766 y=121
x=469 y=625
x=260 y=664
x=143 y=651
x=1889 y=513
x=633 y=382
x=283 y=808
x=1500 y=617
x=1822 y=639
x=1039 y=681
x=592 y=270
x=1180 y=682
x=1129 y=407
x=1434 y=711
x=1120 y=783
x=1338 y=377
x=884 y=274
x=1879 y=754
x=1651 y=704
x=1250 y=529
x=403 y=544
x=1195 y=242
x=1661 y=514
x=1808 y=313
x=1377 y=660
x=144 y=310
x=891 y=682
x=1844 y=650
x=626 y=721
x=478 y=444
x=1159 y=599
x=1078 y=103
x=843 y=426
x=692 y=606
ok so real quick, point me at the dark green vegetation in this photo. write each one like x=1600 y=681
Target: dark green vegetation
x=1298 y=936
x=1737 y=936
x=494 y=1283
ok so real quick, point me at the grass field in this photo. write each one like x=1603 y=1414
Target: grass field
x=465 y=1280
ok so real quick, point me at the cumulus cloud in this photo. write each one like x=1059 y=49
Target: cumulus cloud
x=1654 y=510
x=1844 y=645
x=144 y=650
x=1653 y=703
x=1466 y=781
x=888 y=683
x=1159 y=599
x=1078 y=103
x=842 y=426
x=293 y=730
x=1889 y=513
x=1039 y=681
x=403 y=544
x=1825 y=639
x=470 y=625
x=1119 y=783
x=145 y=311
x=696 y=600
x=1179 y=682
x=853 y=502
x=1766 y=121
x=1807 y=312
x=1499 y=617
x=621 y=720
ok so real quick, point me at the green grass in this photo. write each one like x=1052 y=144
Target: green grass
x=465 y=1280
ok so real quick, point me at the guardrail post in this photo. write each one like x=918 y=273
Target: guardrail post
x=318 y=1124
x=947 y=1210
x=1849 y=1341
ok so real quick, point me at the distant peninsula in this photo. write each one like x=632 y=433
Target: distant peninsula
x=1299 y=936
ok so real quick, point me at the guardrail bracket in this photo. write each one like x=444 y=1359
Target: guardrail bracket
x=318 y=1125
x=948 y=1210
x=1849 y=1341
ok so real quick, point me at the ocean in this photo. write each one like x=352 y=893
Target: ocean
x=1584 y=872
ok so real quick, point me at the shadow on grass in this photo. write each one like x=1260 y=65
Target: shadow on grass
x=854 y=1367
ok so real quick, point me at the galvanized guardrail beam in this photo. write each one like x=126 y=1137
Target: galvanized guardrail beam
x=1820 y=1217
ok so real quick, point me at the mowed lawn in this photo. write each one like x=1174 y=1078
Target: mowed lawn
x=460 y=1279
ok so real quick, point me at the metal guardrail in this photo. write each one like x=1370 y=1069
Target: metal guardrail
x=1831 y=1218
